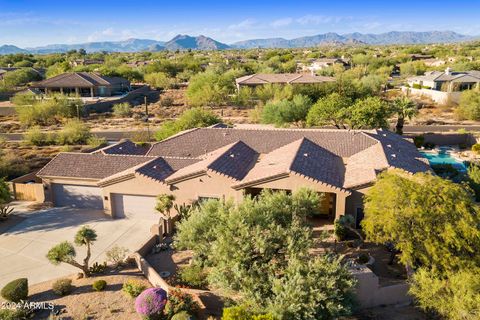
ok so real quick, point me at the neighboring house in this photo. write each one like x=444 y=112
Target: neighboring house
x=83 y=84
x=261 y=79
x=138 y=64
x=227 y=163
x=416 y=56
x=85 y=62
x=444 y=87
x=323 y=63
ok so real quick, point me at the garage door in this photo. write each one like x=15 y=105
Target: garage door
x=137 y=207
x=69 y=195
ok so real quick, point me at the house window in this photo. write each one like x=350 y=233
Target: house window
x=204 y=199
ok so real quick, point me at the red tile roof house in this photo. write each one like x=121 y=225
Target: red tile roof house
x=228 y=163
x=83 y=84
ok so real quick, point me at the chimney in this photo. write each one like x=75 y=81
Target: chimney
x=448 y=71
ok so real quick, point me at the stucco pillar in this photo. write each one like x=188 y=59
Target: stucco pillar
x=340 y=202
x=91 y=92
x=77 y=92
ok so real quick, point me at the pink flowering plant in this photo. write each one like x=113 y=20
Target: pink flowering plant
x=151 y=303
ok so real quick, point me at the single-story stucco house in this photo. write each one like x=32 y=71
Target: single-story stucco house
x=228 y=163
x=443 y=87
x=83 y=84
x=260 y=79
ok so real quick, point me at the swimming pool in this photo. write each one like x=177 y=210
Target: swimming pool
x=444 y=158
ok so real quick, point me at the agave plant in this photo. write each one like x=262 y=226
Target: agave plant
x=5 y=212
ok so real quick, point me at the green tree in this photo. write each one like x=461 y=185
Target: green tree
x=159 y=80
x=405 y=109
x=165 y=204
x=191 y=118
x=260 y=250
x=211 y=88
x=469 y=105
x=455 y=297
x=330 y=110
x=433 y=222
x=74 y=132
x=285 y=112
x=5 y=193
x=369 y=113
x=65 y=251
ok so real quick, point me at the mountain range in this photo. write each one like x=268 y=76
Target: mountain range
x=186 y=42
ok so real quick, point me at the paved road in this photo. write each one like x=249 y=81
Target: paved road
x=23 y=247
x=117 y=135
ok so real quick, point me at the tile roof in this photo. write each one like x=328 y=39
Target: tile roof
x=89 y=165
x=80 y=80
x=265 y=78
x=125 y=147
x=201 y=141
x=302 y=157
x=233 y=160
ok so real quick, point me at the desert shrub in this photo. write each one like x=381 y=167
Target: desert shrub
x=116 y=255
x=15 y=314
x=159 y=80
x=340 y=230
x=15 y=290
x=96 y=142
x=476 y=148
x=62 y=287
x=99 y=285
x=179 y=301
x=242 y=313
x=416 y=86
x=419 y=141
x=363 y=258
x=12 y=165
x=166 y=102
x=469 y=105
x=122 y=110
x=74 y=132
x=151 y=303
x=36 y=137
x=48 y=111
x=193 y=275
x=98 y=268
x=133 y=288
x=182 y=316
x=429 y=145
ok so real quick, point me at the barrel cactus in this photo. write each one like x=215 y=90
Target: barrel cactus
x=151 y=302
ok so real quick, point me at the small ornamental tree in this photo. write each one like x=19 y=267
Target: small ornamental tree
x=164 y=206
x=405 y=109
x=65 y=251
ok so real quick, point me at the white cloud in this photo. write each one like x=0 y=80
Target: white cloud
x=281 y=22
x=243 y=25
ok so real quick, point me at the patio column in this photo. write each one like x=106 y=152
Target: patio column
x=77 y=92
x=91 y=92
x=340 y=202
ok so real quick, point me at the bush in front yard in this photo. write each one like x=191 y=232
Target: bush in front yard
x=339 y=230
x=133 y=288
x=182 y=316
x=14 y=314
x=99 y=285
x=193 y=275
x=179 y=301
x=16 y=290
x=62 y=287
x=122 y=110
x=151 y=302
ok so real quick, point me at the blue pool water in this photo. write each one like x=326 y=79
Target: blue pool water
x=444 y=158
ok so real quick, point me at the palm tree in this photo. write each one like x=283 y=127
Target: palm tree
x=405 y=108
x=164 y=205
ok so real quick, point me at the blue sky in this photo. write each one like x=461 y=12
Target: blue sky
x=35 y=23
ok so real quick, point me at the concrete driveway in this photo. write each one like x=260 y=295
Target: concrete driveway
x=23 y=247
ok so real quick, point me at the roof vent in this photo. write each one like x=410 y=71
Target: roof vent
x=389 y=145
x=394 y=155
x=232 y=155
x=155 y=167
x=305 y=154
x=120 y=148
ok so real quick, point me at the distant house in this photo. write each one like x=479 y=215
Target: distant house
x=83 y=84
x=434 y=62
x=416 y=56
x=261 y=79
x=137 y=64
x=446 y=86
x=323 y=63
x=85 y=62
